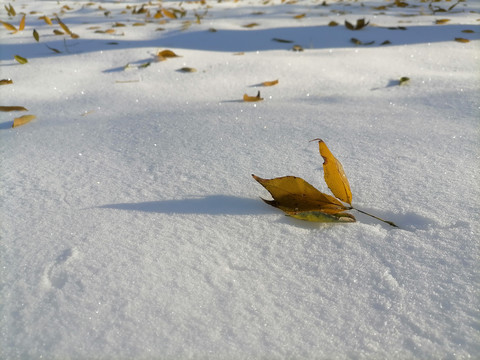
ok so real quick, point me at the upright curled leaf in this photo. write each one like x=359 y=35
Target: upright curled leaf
x=334 y=174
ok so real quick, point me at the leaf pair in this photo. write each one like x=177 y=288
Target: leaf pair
x=299 y=199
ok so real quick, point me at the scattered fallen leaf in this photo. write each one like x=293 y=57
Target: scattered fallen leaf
x=239 y=53
x=21 y=27
x=462 y=40
x=404 y=80
x=35 y=35
x=358 y=42
x=10 y=10
x=386 y=42
x=299 y=16
x=212 y=30
x=58 y=32
x=441 y=21
x=46 y=19
x=187 y=69
x=332 y=23
x=117 y=24
x=12 y=108
x=165 y=54
x=282 y=40
x=20 y=59
x=139 y=24
x=66 y=28
x=361 y=23
x=251 y=25
x=53 y=49
x=6 y=82
x=252 y=98
x=22 y=120
x=168 y=13
x=468 y=31
x=297 y=48
x=9 y=26
x=270 y=83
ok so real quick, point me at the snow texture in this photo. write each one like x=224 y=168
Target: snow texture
x=130 y=224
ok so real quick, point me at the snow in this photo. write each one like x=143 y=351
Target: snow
x=131 y=227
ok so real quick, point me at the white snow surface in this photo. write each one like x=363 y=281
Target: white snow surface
x=131 y=226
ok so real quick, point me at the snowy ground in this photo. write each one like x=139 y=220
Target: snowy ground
x=130 y=224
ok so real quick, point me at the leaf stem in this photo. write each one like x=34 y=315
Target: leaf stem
x=376 y=217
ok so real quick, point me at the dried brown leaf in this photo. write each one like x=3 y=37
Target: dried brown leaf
x=248 y=98
x=12 y=108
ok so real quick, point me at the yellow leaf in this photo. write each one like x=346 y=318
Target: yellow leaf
x=169 y=14
x=270 y=83
x=292 y=194
x=46 y=19
x=35 y=35
x=9 y=26
x=22 y=120
x=299 y=16
x=6 y=82
x=164 y=54
x=251 y=25
x=22 y=24
x=12 y=108
x=334 y=174
x=63 y=26
x=462 y=40
x=441 y=21
x=58 y=32
x=319 y=216
x=20 y=59
x=252 y=98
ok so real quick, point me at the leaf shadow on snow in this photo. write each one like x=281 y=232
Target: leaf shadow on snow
x=207 y=205
x=241 y=40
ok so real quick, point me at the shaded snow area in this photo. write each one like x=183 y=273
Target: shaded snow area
x=131 y=227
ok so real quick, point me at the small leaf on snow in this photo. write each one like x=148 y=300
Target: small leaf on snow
x=282 y=40
x=143 y=66
x=361 y=23
x=139 y=24
x=319 y=216
x=165 y=54
x=6 y=82
x=386 y=42
x=359 y=42
x=12 y=108
x=252 y=98
x=58 y=32
x=22 y=120
x=251 y=25
x=63 y=26
x=270 y=83
x=297 y=48
x=9 y=26
x=462 y=40
x=332 y=23
x=187 y=69
x=21 y=27
x=334 y=174
x=293 y=194
x=20 y=59
x=10 y=10
x=299 y=16
x=46 y=19
x=170 y=14
x=404 y=80
x=441 y=21
x=468 y=31
x=54 y=50
x=35 y=35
